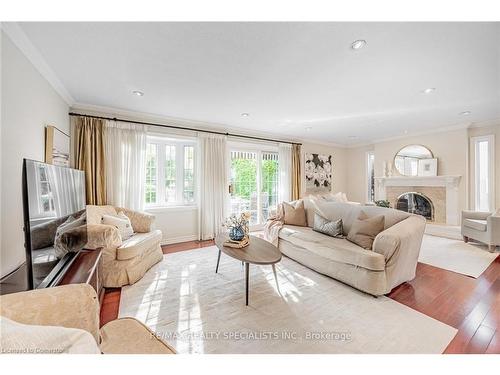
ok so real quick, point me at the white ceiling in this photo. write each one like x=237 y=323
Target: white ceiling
x=296 y=80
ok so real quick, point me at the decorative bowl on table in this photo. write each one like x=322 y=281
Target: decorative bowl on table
x=237 y=228
x=237 y=233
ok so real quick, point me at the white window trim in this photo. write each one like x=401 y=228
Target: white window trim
x=367 y=174
x=179 y=143
x=490 y=138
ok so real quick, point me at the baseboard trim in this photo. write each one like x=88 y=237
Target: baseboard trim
x=179 y=239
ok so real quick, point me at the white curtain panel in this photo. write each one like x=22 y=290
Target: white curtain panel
x=285 y=172
x=214 y=195
x=125 y=164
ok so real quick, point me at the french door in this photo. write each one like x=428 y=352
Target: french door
x=254 y=184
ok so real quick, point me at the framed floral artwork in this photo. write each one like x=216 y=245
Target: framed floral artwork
x=318 y=171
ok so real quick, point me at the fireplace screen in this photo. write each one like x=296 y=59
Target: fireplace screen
x=416 y=203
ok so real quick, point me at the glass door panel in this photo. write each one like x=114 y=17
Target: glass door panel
x=269 y=185
x=244 y=184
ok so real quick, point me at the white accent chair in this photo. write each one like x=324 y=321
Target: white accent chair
x=482 y=226
x=124 y=262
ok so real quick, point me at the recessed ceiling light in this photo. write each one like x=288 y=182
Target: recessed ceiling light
x=308 y=128
x=406 y=131
x=429 y=90
x=138 y=93
x=358 y=44
x=245 y=114
x=465 y=113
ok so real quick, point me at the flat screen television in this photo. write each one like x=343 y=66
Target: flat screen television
x=54 y=220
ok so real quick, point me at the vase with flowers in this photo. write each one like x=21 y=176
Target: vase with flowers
x=237 y=226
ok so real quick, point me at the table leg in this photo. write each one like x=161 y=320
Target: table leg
x=218 y=260
x=276 y=278
x=247 y=269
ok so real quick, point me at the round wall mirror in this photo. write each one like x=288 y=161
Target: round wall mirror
x=406 y=160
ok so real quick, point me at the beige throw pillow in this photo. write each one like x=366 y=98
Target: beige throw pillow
x=295 y=214
x=364 y=230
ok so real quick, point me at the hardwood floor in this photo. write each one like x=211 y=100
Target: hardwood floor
x=110 y=305
x=470 y=305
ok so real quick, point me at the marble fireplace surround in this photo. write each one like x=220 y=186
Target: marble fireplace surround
x=441 y=190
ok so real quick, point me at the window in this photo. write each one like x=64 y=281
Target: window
x=483 y=172
x=151 y=173
x=170 y=172
x=254 y=183
x=44 y=196
x=370 y=176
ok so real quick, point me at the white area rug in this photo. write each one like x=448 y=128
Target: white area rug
x=457 y=256
x=453 y=232
x=198 y=311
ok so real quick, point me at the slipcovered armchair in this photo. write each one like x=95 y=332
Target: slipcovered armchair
x=77 y=306
x=482 y=226
x=123 y=262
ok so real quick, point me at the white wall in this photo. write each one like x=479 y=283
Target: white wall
x=29 y=103
x=178 y=224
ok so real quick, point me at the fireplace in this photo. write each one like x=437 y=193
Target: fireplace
x=416 y=203
x=442 y=191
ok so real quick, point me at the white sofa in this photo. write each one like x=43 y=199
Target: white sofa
x=483 y=227
x=391 y=262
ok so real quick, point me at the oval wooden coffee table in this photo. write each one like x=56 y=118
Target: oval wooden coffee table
x=259 y=252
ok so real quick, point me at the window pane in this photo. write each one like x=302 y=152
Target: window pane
x=170 y=174
x=188 y=193
x=151 y=173
x=483 y=183
x=371 y=176
x=269 y=191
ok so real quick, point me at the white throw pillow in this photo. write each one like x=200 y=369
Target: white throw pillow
x=18 y=338
x=121 y=222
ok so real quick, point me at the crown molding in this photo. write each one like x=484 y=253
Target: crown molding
x=97 y=110
x=468 y=125
x=22 y=42
x=483 y=124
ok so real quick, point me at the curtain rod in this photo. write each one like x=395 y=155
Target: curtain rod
x=184 y=128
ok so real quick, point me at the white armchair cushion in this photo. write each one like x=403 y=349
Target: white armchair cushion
x=480 y=225
x=18 y=338
x=137 y=244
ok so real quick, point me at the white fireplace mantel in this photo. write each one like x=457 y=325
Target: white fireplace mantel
x=445 y=181
x=451 y=183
